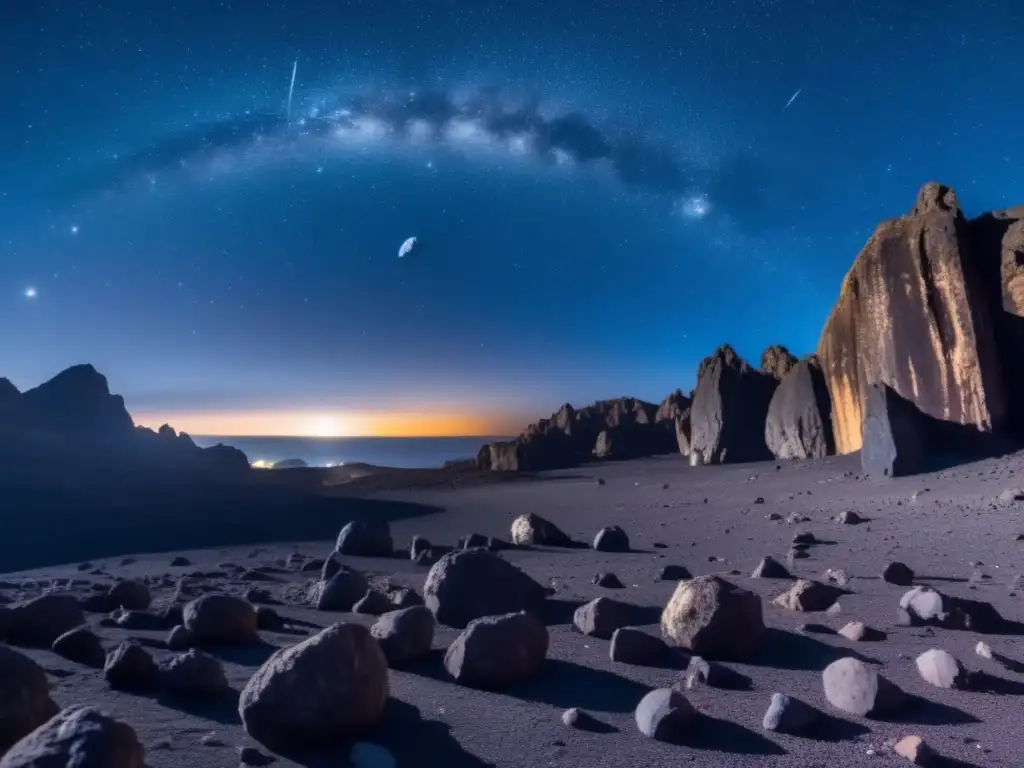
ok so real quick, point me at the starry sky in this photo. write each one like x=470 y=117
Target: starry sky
x=602 y=193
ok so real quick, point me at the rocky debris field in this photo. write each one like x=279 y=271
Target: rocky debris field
x=646 y=613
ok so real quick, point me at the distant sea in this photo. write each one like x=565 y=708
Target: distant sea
x=404 y=452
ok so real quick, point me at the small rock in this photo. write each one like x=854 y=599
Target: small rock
x=848 y=517
x=674 y=573
x=404 y=597
x=899 y=574
x=81 y=645
x=611 y=539
x=129 y=667
x=941 y=669
x=853 y=687
x=373 y=603
x=983 y=650
x=770 y=568
x=631 y=645
x=602 y=616
x=405 y=635
x=664 y=715
x=808 y=596
x=608 y=581
x=788 y=715
x=211 y=740
x=914 y=749
x=418 y=546
x=534 y=530
x=180 y=562
x=344 y=589
x=221 y=620
x=837 y=576
x=858 y=631
x=579 y=719
x=804 y=538
x=194 y=675
x=253 y=757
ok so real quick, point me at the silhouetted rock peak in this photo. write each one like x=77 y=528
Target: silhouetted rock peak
x=78 y=399
x=777 y=361
x=935 y=197
x=8 y=392
x=729 y=358
x=672 y=407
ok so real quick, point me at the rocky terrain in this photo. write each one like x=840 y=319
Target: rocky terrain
x=891 y=573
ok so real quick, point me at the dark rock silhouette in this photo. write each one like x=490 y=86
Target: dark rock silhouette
x=289 y=464
x=729 y=411
x=912 y=314
x=623 y=428
x=799 y=423
x=74 y=422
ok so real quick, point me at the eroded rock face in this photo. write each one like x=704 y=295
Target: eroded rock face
x=799 y=422
x=777 y=361
x=729 y=411
x=912 y=314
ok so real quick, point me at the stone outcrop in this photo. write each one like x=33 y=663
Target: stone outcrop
x=777 y=361
x=73 y=419
x=913 y=315
x=729 y=411
x=799 y=422
x=623 y=428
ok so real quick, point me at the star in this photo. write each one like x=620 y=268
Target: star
x=30 y=292
x=74 y=229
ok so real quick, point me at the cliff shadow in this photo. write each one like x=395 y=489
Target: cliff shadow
x=57 y=522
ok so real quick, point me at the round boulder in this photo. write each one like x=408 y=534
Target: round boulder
x=611 y=539
x=131 y=595
x=78 y=736
x=320 y=692
x=25 y=701
x=220 y=620
x=534 y=530
x=471 y=583
x=195 y=675
x=82 y=646
x=339 y=593
x=366 y=538
x=853 y=687
x=405 y=635
x=129 y=667
x=38 y=622
x=664 y=715
x=710 y=617
x=497 y=651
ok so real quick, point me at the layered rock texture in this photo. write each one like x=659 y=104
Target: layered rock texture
x=913 y=315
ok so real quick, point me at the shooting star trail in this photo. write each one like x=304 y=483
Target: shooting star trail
x=291 y=89
x=791 y=98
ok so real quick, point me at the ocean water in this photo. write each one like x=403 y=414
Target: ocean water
x=404 y=452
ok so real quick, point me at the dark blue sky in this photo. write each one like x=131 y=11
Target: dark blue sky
x=603 y=192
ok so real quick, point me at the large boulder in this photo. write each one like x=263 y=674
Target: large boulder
x=215 y=620
x=799 y=422
x=729 y=411
x=322 y=691
x=857 y=689
x=194 y=674
x=710 y=617
x=25 y=701
x=78 y=737
x=340 y=592
x=495 y=651
x=912 y=314
x=405 y=635
x=471 y=583
x=37 y=623
x=366 y=538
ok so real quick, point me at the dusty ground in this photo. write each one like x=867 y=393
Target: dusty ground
x=709 y=522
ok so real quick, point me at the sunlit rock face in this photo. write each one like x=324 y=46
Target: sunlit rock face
x=913 y=314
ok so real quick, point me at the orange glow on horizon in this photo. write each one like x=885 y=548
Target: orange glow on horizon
x=328 y=424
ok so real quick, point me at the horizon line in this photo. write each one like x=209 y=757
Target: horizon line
x=345 y=437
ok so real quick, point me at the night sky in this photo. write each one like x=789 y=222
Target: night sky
x=601 y=192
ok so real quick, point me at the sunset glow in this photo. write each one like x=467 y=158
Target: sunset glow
x=328 y=424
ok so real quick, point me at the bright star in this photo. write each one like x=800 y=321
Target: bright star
x=30 y=292
x=74 y=229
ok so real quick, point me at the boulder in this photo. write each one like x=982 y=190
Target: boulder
x=131 y=595
x=179 y=639
x=777 y=361
x=941 y=669
x=194 y=675
x=37 y=623
x=496 y=651
x=468 y=584
x=799 y=421
x=220 y=620
x=129 y=667
x=770 y=568
x=417 y=546
x=323 y=691
x=534 y=530
x=611 y=539
x=405 y=635
x=897 y=573
x=853 y=687
x=729 y=411
x=631 y=645
x=404 y=597
x=82 y=737
x=926 y=606
x=788 y=715
x=912 y=315
x=341 y=592
x=25 y=702
x=82 y=646
x=373 y=603
x=665 y=715
x=808 y=596
x=682 y=430
x=896 y=438
x=366 y=538
x=711 y=617
x=601 y=617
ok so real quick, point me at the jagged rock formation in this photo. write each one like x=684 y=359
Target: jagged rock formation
x=621 y=429
x=912 y=314
x=729 y=411
x=74 y=421
x=799 y=423
x=777 y=361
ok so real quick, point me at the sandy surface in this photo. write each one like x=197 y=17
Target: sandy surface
x=708 y=521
